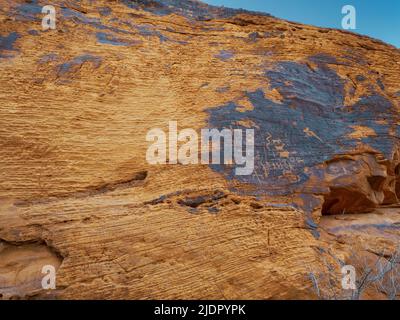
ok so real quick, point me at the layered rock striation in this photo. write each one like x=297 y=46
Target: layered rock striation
x=77 y=192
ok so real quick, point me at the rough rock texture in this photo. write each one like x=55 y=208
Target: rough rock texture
x=76 y=190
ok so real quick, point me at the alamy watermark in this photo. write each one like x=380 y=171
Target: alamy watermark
x=349 y=21
x=49 y=20
x=186 y=147
x=49 y=280
x=349 y=277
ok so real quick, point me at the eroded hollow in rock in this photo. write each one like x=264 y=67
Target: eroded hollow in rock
x=342 y=201
x=360 y=184
x=21 y=266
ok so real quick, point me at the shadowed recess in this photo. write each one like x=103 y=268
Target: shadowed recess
x=27 y=11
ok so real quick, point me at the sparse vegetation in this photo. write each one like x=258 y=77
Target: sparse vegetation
x=381 y=276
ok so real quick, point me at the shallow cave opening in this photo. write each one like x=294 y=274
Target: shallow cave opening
x=342 y=201
x=328 y=204
x=362 y=196
x=376 y=182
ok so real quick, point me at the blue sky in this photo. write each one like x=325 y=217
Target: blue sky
x=377 y=18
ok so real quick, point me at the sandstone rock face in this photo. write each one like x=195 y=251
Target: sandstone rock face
x=77 y=192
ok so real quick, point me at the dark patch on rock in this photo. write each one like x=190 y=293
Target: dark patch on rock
x=273 y=34
x=33 y=32
x=195 y=202
x=313 y=227
x=361 y=78
x=308 y=127
x=363 y=227
x=148 y=30
x=225 y=55
x=208 y=28
x=310 y=223
x=27 y=11
x=50 y=57
x=222 y=89
x=355 y=57
x=193 y=210
x=68 y=13
x=315 y=234
x=213 y=210
x=318 y=90
x=159 y=200
x=323 y=58
x=7 y=44
x=310 y=203
x=380 y=84
x=77 y=62
x=256 y=205
x=96 y=23
x=254 y=36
